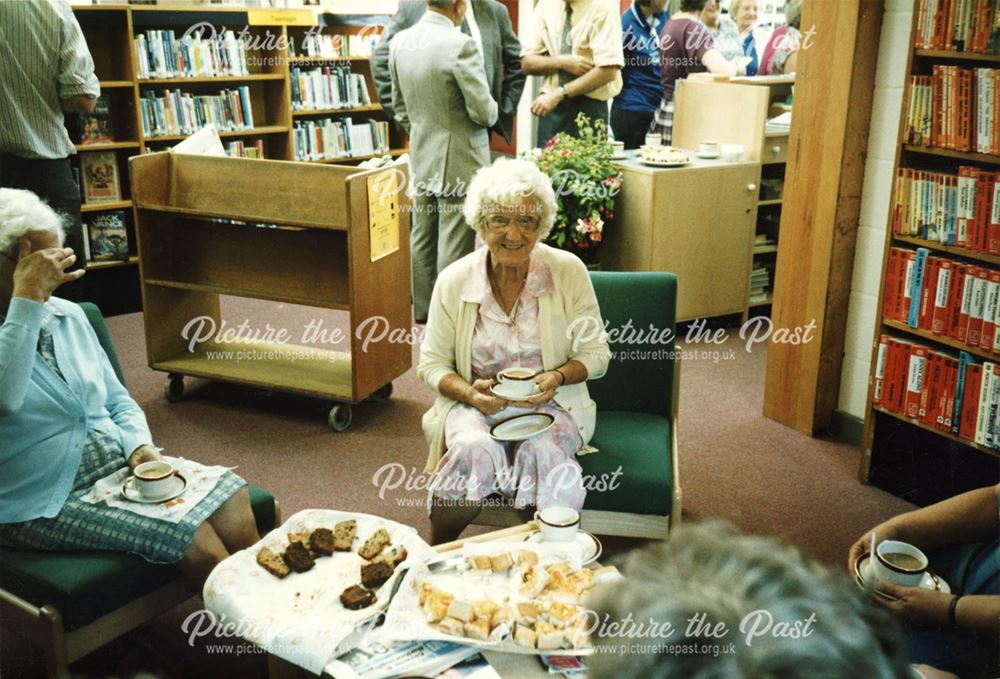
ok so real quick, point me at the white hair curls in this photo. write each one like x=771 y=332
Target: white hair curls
x=506 y=183
x=23 y=213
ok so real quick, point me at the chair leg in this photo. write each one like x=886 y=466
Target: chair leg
x=52 y=641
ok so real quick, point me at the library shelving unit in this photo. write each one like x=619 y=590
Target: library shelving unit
x=211 y=226
x=110 y=32
x=907 y=455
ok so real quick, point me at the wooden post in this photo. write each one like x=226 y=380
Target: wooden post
x=823 y=182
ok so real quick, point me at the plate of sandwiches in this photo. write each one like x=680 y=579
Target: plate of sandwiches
x=663 y=156
x=513 y=597
x=305 y=587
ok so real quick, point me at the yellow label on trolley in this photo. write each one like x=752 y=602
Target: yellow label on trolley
x=383 y=212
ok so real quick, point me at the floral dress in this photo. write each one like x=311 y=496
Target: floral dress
x=541 y=471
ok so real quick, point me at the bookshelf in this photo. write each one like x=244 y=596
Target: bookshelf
x=928 y=413
x=111 y=32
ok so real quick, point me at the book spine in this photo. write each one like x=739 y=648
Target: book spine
x=931 y=389
x=878 y=385
x=942 y=296
x=956 y=410
x=970 y=401
x=915 y=376
x=916 y=287
x=947 y=405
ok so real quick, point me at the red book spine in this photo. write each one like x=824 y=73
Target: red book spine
x=948 y=399
x=970 y=401
x=977 y=308
x=965 y=310
x=910 y=265
x=891 y=285
x=881 y=357
x=942 y=296
x=927 y=294
x=931 y=390
x=895 y=375
x=993 y=220
x=988 y=333
x=916 y=371
x=955 y=300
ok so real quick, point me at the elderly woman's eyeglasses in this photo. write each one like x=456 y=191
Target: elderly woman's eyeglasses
x=525 y=223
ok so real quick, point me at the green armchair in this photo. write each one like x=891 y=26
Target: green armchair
x=637 y=404
x=71 y=603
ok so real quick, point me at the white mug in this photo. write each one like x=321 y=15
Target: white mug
x=617 y=149
x=558 y=524
x=152 y=479
x=517 y=382
x=733 y=153
x=887 y=567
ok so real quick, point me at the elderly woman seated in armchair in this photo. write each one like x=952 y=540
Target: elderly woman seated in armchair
x=514 y=302
x=66 y=421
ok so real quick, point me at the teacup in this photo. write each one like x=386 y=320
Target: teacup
x=152 y=479
x=617 y=149
x=558 y=524
x=899 y=563
x=517 y=382
x=654 y=139
x=709 y=148
x=733 y=153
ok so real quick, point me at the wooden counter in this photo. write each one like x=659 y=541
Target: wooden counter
x=695 y=221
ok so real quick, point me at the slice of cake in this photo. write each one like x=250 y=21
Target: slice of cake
x=393 y=557
x=357 y=597
x=344 y=534
x=374 y=575
x=298 y=558
x=374 y=545
x=321 y=541
x=272 y=563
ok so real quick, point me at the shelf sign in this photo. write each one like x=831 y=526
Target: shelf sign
x=281 y=17
x=383 y=213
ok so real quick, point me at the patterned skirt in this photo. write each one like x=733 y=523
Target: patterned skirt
x=80 y=525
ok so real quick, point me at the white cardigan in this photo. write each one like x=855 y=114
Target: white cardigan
x=447 y=344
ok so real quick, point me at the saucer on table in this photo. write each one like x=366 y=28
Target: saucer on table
x=863 y=573
x=709 y=156
x=178 y=484
x=521 y=427
x=591 y=546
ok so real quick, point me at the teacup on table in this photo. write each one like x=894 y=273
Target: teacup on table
x=899 y=563
x=617 y=149
x=558 y=524
x=517 y=382
x=654 y=139
x=709 y=148
x=152 y=479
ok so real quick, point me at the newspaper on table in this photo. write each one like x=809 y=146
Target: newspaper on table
x=373 y=659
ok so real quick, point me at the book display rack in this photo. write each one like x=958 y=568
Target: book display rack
x=934 y=387
x=165 y=71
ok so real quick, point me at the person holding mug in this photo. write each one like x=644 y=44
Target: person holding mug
x=67 y=422
x=513 y=303
x=955 y=632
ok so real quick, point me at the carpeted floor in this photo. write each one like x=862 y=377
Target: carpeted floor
x=735 y=464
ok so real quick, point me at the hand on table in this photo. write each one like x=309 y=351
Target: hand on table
x=484 y=401
x=39 y=273
x=545 y=103
x=915 y=605
x=144 y=453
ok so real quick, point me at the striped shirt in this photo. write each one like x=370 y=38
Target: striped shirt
x=43 y=59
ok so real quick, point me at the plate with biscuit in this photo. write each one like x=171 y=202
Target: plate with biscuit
x=513 y=597
x=663 y=156
x=307 y=585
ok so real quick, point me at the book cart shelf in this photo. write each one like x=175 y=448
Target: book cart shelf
x=900 y=446
x=110 y=32
x=211 y=226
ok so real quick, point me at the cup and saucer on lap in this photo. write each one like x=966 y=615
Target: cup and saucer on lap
x=899 y=563
x=518 y=384
x=154 y=482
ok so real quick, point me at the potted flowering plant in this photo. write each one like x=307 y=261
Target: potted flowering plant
x=585 y=182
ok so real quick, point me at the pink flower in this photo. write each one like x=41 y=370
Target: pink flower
x=596 y=236
x=563 y=152
x=613 y=182
x=551 y=142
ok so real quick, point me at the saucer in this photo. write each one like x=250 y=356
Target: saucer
x=619 y=156
x=178 y=484
x=709 y=156
x=591 y=545
x=931 y=581
x=522 y=427
x=496 y=390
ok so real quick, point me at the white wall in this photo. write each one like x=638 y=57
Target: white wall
x=886 y=109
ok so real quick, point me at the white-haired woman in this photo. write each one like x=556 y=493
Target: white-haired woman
x=745 y=13
x=514 y=302
x=66 y=421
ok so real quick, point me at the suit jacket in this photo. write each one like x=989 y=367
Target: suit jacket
x=501 y=56
x=440 y=96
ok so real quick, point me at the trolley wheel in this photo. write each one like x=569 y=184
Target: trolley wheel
x=340 y=417
x=383 y=393
x=173 y=388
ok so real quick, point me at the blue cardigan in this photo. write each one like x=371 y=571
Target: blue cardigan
x=43 y=420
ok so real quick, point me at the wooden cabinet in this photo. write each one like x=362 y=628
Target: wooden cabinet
x=210 y=226
x=697 y=222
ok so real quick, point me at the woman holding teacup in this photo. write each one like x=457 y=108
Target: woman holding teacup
x=959 y=540
x=67 y=422
x=516 y=306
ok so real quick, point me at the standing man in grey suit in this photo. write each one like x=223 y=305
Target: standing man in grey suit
x=489 y=23
x=440 y=96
